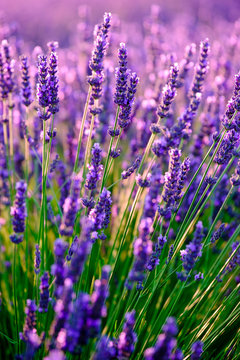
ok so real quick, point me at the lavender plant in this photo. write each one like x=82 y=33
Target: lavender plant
x=119 y=228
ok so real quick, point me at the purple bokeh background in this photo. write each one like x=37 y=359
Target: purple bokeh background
x=41 y=20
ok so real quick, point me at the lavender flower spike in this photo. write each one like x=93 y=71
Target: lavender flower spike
x=53 y=83
x=30 y=321
x=95 y=169
x=127 y=338
x=170 y=189
x=193 y=250
x=100 y=215
x=154 y=259
x=165 y=344
x=98 y=298
x=70 y=208
x=26 y=86
x=121 y=76
x=197 y=350
x=19 y=212
x=42 y=87
x=44 y=293
x=37 y=261
x=58 y=269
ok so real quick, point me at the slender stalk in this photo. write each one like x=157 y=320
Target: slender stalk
x=15 y=295
x=82 y=129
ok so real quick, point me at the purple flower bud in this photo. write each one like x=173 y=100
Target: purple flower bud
x=170 y=254
x=100 y=214
x=226 y=148
x=201 y=68
x=143 y=182
x=42 y=86
x=198 y=276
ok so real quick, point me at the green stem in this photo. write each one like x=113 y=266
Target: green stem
x=82 y=129
x=15 y=295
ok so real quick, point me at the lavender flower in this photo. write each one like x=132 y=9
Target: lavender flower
x=218 y=233
x=19 y=212
x=164 y=347
x=100 y=214
x=226 y=148
x=198 y=276
x=58 y=269
x=95 y=169
x=154 y=259
x=168 y=93
x=81 y=251
x=125 y=113
x=197 y=350
x=106 y=349
x=8 y=67
x=100 y=45
x=98 y=298
x=53 y=84
x=170 y=254
x=3 y=84
x=170 y=189
x=126 y=173
x=42 y=87
x=193 y=251
x=26 y=86
x=127 y=338
x=143 y=182
x=37 y=261
x=121 y=77
x=201 y=68
x=142 y=249
x=76 y=332
x=44 y=293
x=184 y=170
x=61 y=308
x=30 y=320
x=70 y=208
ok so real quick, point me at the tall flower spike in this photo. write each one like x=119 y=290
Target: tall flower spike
x=127 y=338
x=170 y=189
x=44 y=293
x=201 y=68
x=3 y=84
x=53 y=83
x=70 y=208
x=8 y=67
x=121 y=76
x=226 y=148
x=26 y=86
x=37 y=261
x=95 y=169
x=100 y=45
x=154 y=259
x=100 y=215
x=98 y=298
x=168 y=93
x=193 y=251
x=127 y=173
x=184 y=170
x=42 y=87
x=58 y=269
x=30 y=321
x=196 y=350
x=76 y=328
x=126 y=109
x=164 y=347
x=19 y=212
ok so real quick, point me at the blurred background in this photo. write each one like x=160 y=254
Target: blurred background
x=38 y=21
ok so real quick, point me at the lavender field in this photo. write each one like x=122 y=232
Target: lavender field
x=120 y=180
